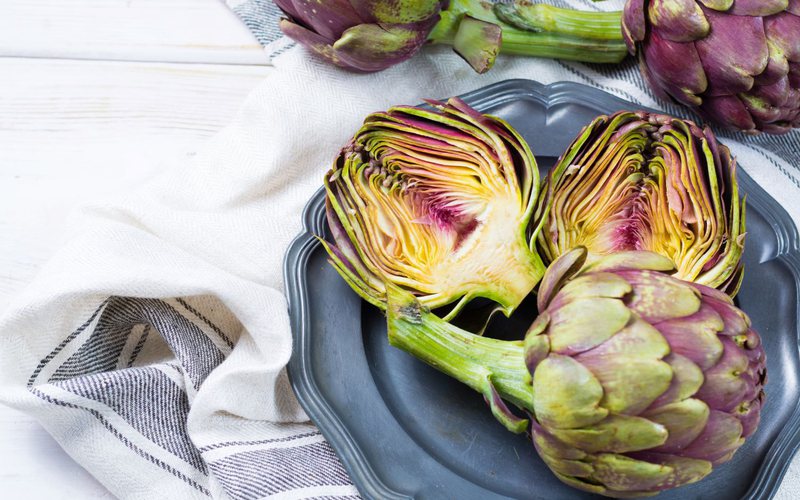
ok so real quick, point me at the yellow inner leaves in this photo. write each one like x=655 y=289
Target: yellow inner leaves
x=635 y=194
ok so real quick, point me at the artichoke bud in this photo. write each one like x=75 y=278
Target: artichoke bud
x=655 y=385
x=436 y=202
x=639 y=181
x=360 y=36
x=636 y=381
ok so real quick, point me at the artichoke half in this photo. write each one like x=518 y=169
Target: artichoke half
x=635 y=381
x=640 y=181
x=437 y=202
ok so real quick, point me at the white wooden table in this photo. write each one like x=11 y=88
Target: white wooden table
x=94 y=96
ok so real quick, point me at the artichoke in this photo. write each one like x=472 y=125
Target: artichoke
x=371 y=36
x=438 y=202
x=736 y=61
x=635 y=381
x=640 y=181
x=360 y=35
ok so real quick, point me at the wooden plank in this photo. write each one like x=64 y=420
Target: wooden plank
x=204 y=31
x=76 y=130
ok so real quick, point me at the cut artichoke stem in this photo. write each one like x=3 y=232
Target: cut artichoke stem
x=538 y=31
x=477 y=42
x=494 y=368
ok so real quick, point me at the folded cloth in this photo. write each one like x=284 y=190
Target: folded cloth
x=153 y=345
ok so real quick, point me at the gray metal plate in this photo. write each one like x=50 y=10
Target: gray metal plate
x=403 y=430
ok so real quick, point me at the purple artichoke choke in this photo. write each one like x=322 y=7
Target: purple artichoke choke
x=635 y=381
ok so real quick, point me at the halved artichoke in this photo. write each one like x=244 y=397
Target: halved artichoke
x=437 y=202
x=641 y=181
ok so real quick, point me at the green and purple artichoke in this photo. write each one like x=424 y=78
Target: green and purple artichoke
x=635 y=381
x=641 y=181
x=735 y=61
x=437 y=202
x=360 y=35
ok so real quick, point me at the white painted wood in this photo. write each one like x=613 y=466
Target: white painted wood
x=73 y=130
x=136 y=30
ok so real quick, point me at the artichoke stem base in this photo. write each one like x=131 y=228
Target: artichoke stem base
x=494 y=368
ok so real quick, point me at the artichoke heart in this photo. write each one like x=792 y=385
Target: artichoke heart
x=437 y=202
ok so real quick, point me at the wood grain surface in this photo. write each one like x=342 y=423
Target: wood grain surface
x=204 y=31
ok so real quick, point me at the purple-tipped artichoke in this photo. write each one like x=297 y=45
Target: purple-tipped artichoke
x=358 y=34
x=736 y=61
x=639 y=181
x=436 y=201
x=636 y=381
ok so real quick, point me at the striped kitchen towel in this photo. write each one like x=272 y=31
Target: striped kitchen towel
x=153 y=346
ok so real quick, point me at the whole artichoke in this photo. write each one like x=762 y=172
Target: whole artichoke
x=436 y=201
x=736 y=61
x=636 y=381
x=640 y=181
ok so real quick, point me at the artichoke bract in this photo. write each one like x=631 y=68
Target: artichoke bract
x=438 y=202
x=736 y=61
x=635 y=381
x=640 y=181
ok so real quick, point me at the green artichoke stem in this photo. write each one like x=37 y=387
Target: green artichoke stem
x=495 y=368
x=538 y=30
x=538 y=17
